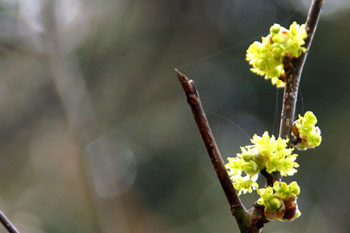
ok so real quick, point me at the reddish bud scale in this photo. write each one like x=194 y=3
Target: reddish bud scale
x=295 y=130
x=291 y=210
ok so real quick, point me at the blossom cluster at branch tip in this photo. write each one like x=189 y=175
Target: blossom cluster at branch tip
x=267 y=56
x=305 y=130
x=280 y=201
x=265 y=153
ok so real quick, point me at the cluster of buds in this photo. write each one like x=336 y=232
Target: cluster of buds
x=280 y=201
x=267 y=56
x=307 y=134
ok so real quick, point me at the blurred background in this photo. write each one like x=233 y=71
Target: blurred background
x=95 y=132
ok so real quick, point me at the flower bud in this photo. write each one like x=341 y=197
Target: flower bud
x=294 y=188
x=275 y=29
x=271 y=212
x=247 y=157
x=251 y=168
x=310 y=117
x=260 y=160
x=275 y=203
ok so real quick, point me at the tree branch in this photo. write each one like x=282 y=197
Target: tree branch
x=294 y=68
x=270 y=178
x=237 y=208
x=7 y=224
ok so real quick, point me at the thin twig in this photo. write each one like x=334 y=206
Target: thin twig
x=293 y=72
x=7 y=224
x=270 y=178
x=237 y=208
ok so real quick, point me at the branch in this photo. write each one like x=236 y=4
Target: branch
x=7 y=224
x=237 y=208
x=294 y=68
x=270 y=178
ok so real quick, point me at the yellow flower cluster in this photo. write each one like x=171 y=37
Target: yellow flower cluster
x=265 y=153
x=267 y=56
